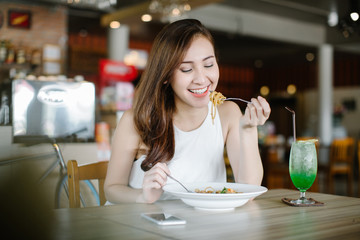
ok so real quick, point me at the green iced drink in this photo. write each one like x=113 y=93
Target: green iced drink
x=302 y=181
x=303 y=164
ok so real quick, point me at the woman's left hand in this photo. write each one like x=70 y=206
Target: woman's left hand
x=256 y=113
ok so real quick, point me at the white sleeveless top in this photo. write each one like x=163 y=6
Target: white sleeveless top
x=199 y=155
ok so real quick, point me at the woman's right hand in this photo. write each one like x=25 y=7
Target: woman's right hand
x=154 y=180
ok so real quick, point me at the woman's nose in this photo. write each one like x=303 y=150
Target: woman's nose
x=200 y=76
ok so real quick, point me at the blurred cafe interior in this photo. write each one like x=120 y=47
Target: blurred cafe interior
x=84 y=58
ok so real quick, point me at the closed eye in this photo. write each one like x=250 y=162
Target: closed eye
x=209 y=65
x=186 y=70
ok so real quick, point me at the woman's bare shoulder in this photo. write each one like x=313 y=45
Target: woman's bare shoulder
x=126 y=130
x=128 y=115
x=126 y=123
x=229 y=109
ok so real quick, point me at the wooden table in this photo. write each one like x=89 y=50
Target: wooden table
x=266 y=217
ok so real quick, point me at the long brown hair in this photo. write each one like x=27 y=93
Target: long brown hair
x=154 y=99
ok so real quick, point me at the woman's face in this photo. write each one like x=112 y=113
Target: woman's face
x=197 y=74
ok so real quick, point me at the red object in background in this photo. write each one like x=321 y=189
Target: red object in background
x=116 y=71
x=19 y=19
x=111 y=72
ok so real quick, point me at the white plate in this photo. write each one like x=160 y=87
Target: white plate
x=209 y=201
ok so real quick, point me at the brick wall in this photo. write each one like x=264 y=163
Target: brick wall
x=48 y=26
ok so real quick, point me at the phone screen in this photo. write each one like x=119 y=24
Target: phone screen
x=163 y=218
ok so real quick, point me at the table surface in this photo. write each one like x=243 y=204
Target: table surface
x=266 y=217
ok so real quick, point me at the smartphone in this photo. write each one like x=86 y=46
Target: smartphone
x=163 y=218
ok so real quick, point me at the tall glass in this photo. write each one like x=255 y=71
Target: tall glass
x=303 y=168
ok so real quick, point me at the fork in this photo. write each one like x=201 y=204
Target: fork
x=179 y=183
x=239 y=99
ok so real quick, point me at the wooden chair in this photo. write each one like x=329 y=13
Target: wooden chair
x=341 y=162
x=85 y=172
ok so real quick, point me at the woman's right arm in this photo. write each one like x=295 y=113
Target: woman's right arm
x=125 y=144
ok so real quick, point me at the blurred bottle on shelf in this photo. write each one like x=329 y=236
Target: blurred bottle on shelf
x=20 y=54
x=10 y=58
x=3 y=51
x=4 y=109
x=35 y=61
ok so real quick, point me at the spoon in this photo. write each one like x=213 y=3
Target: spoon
x=179 y=183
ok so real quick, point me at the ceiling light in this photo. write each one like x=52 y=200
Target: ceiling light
x=354 y=10
x=264 y=90
x=114 y=24
x=354 y=16
x=97 y=4
x=310 y=57
x=291 y=89
x=176 y=12
x=187 y=7
x=146 y=18
x=170 y=10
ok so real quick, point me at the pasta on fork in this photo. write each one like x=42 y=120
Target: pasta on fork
x=217 y=99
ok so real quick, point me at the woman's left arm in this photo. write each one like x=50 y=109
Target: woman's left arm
x=242 y=139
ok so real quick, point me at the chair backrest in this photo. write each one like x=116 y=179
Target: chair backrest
x=85 y=172
x=342 y=151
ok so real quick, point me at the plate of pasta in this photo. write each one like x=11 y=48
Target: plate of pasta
x=215 y=196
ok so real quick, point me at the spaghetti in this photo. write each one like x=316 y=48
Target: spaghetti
x=212 y=190
x=216 y=98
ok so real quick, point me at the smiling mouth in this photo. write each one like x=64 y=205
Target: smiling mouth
x=199 y=91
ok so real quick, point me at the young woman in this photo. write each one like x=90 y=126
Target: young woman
x=170 y=130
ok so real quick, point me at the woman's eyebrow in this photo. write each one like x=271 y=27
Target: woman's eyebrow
x=203 y=59
x=208 y=57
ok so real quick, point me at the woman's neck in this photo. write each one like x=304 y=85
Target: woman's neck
x=189 y=118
